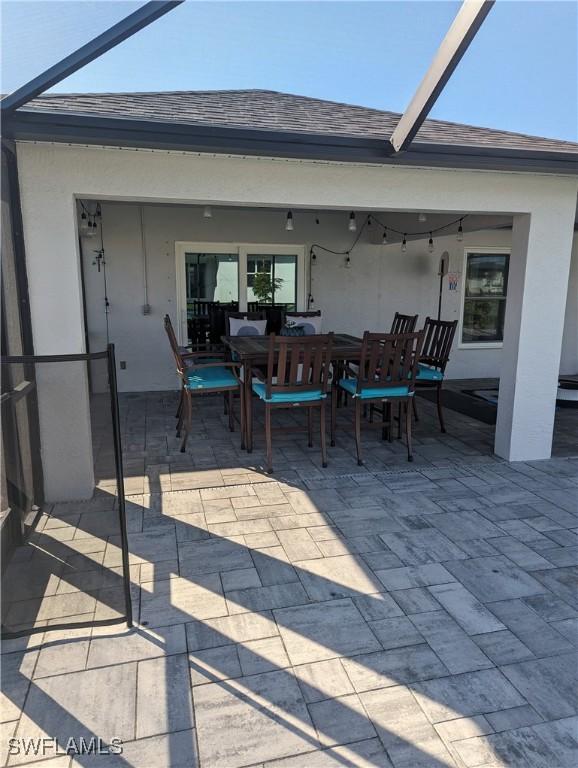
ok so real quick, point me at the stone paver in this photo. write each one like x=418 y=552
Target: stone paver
x=355 y=616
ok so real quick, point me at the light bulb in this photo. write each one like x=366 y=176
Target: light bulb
x=404 y=244
x=347 y=262
x=384 y=238
x=422 y=217
x=207 y=212
x=430 y=245
x=352 y=222
x=83 y=223
x=460 y=235
x=289 y=222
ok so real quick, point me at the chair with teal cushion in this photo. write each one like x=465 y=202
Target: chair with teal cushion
x=202 y=373
x=386 y=374
x=297 y=377
x=438 y=340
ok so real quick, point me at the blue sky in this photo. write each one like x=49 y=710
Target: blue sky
x=520 y=73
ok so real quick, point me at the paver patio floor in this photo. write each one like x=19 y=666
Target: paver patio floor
x=385 y=615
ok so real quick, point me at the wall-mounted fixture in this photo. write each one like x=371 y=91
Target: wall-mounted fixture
x=352 y=222
x=207 y=212
x=289 y=222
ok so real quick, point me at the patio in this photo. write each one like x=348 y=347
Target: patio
x=390 y=614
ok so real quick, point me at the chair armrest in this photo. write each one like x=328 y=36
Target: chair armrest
x=208 y=353
x=258 y=374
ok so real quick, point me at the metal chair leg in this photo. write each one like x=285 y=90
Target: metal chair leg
x=243 y=419
x=322 y=434
x=333 y=415
x=188 y=417
x=408 y=421
x=268 y=438
x=249 y=418
x=414 y=408
x=440 y=411
x=310 y=427
x=180 y=406
x=358 y=430
x=230 y=409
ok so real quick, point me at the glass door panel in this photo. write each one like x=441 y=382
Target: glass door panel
x=211 y=279
x=271 y=281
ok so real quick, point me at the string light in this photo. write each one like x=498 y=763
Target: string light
x=352 y=222
x=347 y=262
x=207 y=212
x=460 y=235
x=289 y=222
x=370 y=219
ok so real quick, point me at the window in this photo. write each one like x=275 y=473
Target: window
x=485 y=292
x=272 y=279
x=212 y=277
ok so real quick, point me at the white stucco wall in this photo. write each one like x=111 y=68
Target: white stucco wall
x=52 y=176
x=569 y=358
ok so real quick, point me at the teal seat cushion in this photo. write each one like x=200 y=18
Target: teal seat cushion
x=210 y=378
x=350 y=386
x=425 y=373
x=260 y=390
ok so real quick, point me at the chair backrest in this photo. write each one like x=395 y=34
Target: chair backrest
x=389 y=360
x=298 y=363
x=202 y=307
x=242 y=316
x=403 y=323
x=438 y=340
x=174 y=346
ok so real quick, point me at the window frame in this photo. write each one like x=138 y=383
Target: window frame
x=472 y=250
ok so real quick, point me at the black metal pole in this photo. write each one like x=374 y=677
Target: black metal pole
x=440 y=297
x=119 y=481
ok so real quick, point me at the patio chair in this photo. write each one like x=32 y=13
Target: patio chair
x=438 y=340
x=297 y=377
x=386 y=374
x=403 y=323
x=202 y=373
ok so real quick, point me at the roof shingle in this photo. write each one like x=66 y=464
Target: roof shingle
x=274 y=111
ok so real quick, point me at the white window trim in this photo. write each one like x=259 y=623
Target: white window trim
x=241 y=250
x=473 y=249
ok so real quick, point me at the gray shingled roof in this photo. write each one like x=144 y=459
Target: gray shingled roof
x=270 y=110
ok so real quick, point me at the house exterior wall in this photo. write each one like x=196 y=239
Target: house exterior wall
x=53 y=175
x=569 y=358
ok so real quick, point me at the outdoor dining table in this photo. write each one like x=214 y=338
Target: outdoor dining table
x=251 y=351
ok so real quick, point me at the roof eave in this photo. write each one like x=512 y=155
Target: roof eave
x=31 y=125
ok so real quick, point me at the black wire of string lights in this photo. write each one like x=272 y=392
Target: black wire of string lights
x=367 y=223
x=88 y=223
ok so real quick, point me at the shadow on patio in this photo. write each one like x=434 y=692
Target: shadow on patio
x=380 y=614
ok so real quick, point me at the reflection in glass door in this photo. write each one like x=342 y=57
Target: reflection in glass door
x=271 y=281
x=211 y=279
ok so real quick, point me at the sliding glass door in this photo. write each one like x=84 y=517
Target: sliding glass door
x=235 y=276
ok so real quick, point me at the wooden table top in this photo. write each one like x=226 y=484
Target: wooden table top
x=345 y=347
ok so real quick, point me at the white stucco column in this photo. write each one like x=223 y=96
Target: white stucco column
x=537 y=288
x=55 y=290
